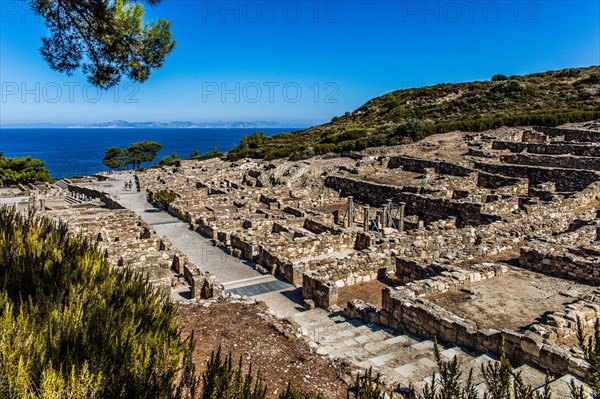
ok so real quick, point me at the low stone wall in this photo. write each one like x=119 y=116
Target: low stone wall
x=503 y=184
x=557 y=161
x=549 y=149
x=408 y=270
x=322 y=292
x=565 y=179
x=206 y=286
x=420 y=165
x=247 y=250
x=319 y=228
x=570 y=134
x=403 y=311
x=564 y=261
x=91 y=193
x=427 y=208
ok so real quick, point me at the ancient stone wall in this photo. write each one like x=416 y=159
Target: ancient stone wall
x=569 y=134
x=565 y=179
x=91 y=193
x=419 y=316
x=420 y=165
x=558 y=161
x=503 y=184
x=549 y=149
x=428 y=209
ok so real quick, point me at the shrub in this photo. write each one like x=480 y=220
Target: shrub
x=594 y=78
x=72 y=327
x=499 y=77
x=214 y=153
x=277 y=153
x=590 y=345
x=23 y=170
x=508 y=87
x=413 y=128
x=169 y=160
x=162 y=197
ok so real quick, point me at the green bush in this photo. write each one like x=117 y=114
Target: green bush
x=277 y=153
x=23 y=170
x=214 y=153
x=72 y=327
x=413 y=128
x=169 y=160
x=162 y=197
x=499 y=77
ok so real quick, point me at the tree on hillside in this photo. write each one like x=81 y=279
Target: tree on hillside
x=22 y=170
x=106 y=39
x=114 y=158
x=119 y=159
x=144 y=151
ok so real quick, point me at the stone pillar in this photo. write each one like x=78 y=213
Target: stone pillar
x=421 y=224
x=366 y=219
x=336 y=216
x=350 y=218
x=387 y=213
x=401 y=221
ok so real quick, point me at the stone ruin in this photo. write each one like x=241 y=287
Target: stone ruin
x=130 y=243
x=442 y=224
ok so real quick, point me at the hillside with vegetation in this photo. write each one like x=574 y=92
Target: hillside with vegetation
x=547 y=98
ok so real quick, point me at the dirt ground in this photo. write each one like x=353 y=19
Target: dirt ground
x=249 y=331
x=514 y=300
x=370 y=292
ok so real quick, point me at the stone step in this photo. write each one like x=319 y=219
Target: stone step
x=561 y=387
x=400 y=359
x=72 y=201
x=534 y=376
x=265 y=285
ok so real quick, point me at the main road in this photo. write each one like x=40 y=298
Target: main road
x=237 y=275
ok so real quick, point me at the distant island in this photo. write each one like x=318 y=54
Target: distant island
x=121 y=124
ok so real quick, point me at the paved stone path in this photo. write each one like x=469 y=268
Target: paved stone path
x=237 y=275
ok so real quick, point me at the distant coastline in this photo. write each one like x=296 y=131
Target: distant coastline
x=71 y=152
x=121 y=124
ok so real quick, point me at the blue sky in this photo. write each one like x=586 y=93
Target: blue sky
x=299 y=61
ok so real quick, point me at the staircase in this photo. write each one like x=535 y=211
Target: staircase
x=72 y=201
x=62 y=184
x=400 y=359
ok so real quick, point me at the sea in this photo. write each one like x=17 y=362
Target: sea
x=79 y=151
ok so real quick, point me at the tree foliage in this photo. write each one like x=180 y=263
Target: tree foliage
x=106 y=39
x=162 y=197
x=214 y=153
x=548 y=99
x=590 y=345
x=132 y=156
x=22 y=171
x=114 y=158
x=70 y=326
x=500 y=379
x=169 y=160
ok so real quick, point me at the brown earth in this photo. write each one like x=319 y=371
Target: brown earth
x=269 y=344
x=370 y=292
